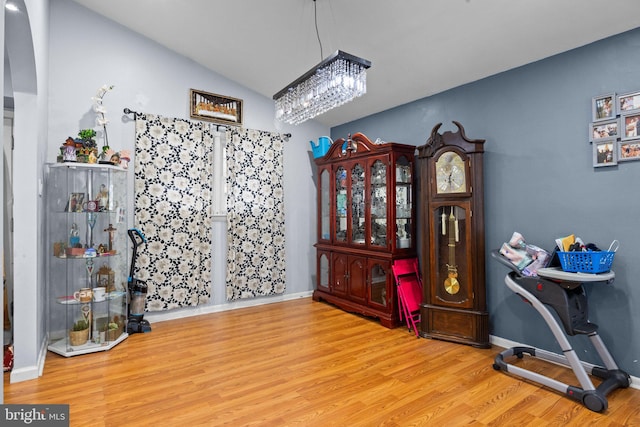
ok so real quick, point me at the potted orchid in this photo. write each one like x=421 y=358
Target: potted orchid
x=101 y=119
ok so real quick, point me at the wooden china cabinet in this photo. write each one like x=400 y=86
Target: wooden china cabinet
x=366 y=214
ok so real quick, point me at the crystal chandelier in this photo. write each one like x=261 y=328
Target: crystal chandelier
x=335 y=81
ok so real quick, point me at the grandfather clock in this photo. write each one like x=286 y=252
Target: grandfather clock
x=453 y=254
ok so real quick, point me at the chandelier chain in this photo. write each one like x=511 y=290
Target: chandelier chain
x=315 y=20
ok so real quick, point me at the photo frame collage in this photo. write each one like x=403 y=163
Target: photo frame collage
x=615 y=128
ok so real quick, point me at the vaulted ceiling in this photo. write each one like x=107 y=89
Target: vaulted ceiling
x=417 y=47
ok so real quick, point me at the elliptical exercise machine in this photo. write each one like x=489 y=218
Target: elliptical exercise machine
x=137 y=289
x=563 y=292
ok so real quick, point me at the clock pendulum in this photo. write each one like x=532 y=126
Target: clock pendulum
x=451 y=284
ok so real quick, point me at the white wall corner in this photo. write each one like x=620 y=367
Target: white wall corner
x=31 y=372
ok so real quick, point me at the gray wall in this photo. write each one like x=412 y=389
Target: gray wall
x=540 y=180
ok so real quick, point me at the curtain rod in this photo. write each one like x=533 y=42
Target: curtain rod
x=135 y=113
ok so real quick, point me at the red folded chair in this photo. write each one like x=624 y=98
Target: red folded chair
x=407 y=276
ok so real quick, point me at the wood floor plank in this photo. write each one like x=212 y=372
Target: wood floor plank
x=303 y=363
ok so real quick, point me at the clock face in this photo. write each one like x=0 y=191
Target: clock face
x=450 y=174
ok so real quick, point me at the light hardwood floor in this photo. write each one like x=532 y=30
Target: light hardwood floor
x=302 y=363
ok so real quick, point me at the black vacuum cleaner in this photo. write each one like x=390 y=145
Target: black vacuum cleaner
x=137 y=289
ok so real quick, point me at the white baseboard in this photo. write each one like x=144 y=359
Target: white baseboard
x=207 y=309
x=43 y=355
x=31 y=372
x=504 y=343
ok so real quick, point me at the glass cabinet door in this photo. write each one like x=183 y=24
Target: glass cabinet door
x=403 y=203
x=341 y=204
x=323 y=270
x=378 y=280
x=378 y=203
x=357 y=205
x=325 y=205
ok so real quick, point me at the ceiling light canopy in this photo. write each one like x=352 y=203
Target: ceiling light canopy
x=336 y=80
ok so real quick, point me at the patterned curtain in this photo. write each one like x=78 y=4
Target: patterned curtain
x=255 y=214
x=173 y=178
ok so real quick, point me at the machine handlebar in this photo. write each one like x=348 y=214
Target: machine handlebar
x=132 y=235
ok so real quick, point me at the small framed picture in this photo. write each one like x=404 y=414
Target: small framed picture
x=628 y=103
x=630 y=124
x=605 y=153
x=75 y=202
x=603 y=107
x=628 y=151
x=215 y=108
x=600 y=130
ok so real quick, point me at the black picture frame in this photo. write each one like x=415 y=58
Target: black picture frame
x=215 y=108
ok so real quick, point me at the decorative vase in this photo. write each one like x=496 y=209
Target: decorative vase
x=79 y=337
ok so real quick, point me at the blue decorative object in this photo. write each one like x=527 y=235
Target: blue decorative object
x=321 y=148
x=90 y=253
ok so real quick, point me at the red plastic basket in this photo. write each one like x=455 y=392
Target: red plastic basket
x=586 y=262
